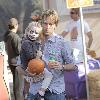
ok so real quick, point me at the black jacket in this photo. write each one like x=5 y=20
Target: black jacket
x=13 y=45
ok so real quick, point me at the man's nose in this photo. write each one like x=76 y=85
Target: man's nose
x=47 y=25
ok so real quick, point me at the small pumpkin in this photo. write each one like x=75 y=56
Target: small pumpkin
x=36 y=66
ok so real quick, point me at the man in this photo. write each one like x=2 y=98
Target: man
x=13 y=45
x=56 y=54
x=74 y=29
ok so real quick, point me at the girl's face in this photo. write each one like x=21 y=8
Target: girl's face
x=34 y=32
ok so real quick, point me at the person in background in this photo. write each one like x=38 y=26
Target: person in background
x=12 y=46
x=74 y=29
x=56 y=54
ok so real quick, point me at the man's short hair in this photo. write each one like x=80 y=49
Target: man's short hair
x=12 y=23
x=76 y=10
x=51 y=13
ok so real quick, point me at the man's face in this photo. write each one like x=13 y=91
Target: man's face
x=16 y=27
x=74 y=15
x=48 y=26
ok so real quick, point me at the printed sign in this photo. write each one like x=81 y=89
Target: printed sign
x=93 y=9
x=79 y=3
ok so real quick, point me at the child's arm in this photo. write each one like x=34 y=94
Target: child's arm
x=47 y=79
x=46 y=82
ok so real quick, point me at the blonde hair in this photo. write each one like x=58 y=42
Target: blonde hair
x=50 y=13
x=31 y=26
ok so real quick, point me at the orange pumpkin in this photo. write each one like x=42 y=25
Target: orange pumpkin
x=36 y=66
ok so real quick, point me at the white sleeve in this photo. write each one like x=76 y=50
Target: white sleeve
x=86 y=27
x=47 y=79
x=67 y=27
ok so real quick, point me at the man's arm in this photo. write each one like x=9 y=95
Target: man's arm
x=70 y=67
x=64 y=33
x=65 y=67
x=88 y=33
x=68 y=59
x=90 y=37
x=16 y=43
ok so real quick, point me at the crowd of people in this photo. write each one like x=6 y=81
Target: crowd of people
x=40 y=41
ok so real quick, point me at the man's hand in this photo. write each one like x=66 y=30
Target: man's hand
x=55 y=65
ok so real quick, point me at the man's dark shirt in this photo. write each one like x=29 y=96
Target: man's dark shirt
x=13 y=45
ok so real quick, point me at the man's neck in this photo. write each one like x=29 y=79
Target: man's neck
x=76 y=19
x=48 y=36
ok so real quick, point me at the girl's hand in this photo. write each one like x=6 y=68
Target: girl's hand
x=30 y=74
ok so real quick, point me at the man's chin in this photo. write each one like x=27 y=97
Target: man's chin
x=46 y=33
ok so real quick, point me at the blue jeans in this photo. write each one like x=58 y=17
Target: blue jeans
x=33 y=97
x=47 y=96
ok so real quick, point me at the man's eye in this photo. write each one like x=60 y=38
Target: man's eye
x=48 y=23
